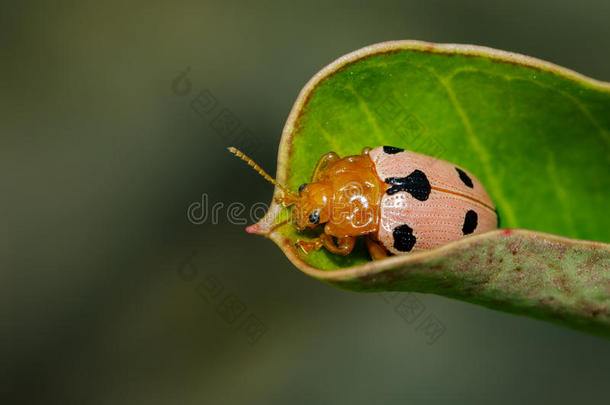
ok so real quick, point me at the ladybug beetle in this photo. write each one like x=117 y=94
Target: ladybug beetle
x=400 y=201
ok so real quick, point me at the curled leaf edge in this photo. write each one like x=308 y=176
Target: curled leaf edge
x=266 y=226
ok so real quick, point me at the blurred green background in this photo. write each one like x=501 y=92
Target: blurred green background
x=110 y=295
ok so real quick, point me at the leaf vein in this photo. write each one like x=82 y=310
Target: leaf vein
x=481 y=151
x=369 y=115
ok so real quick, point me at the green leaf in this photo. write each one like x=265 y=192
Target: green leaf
x=535 y=134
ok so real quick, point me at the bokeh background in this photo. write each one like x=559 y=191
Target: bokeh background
x=111 y=296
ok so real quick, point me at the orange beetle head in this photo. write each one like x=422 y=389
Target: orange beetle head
x=313 y=205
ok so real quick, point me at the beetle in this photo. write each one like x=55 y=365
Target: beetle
x=399 y=200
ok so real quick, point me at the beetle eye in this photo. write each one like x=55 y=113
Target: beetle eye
x=302 y=186
x=314 y=218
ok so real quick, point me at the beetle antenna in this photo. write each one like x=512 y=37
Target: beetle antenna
x=258 y=169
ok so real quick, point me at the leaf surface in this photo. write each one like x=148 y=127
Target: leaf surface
x=535 y=134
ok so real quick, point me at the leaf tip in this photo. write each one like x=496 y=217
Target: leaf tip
x=253 y=229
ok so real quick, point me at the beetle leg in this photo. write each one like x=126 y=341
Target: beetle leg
x=343 y=246
x=307 y=247
x=323 y=162
x=376 y=251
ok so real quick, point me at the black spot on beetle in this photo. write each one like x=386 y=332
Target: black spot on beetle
x=391 y=150
x=404 y=240
x=465 y=178
x=470 y=222
x=302 y=186
x=314 y=217
x=416 y=184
